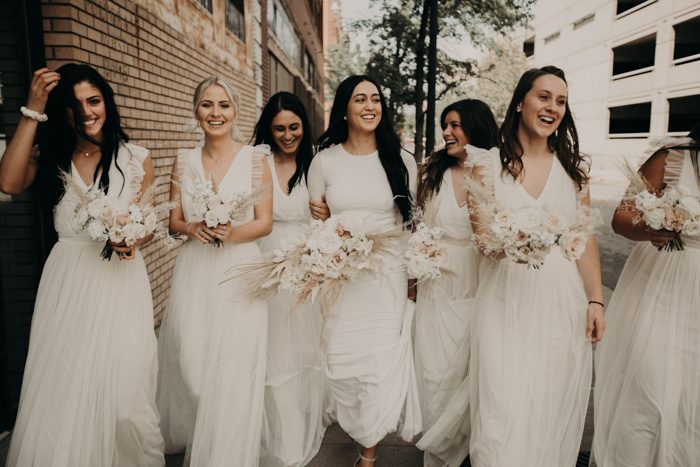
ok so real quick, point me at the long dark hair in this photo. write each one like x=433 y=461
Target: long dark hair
x=57 y=137
x=563 y=142
x=263 y=132
x=478 y=124
x=388 y=142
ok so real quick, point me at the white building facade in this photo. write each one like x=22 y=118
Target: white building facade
x=633 y=68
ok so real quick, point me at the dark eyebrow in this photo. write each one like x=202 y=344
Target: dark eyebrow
x=96 y=96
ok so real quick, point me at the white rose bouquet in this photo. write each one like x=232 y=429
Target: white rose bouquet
x=425 y=254
x=331 y=253
x=105 y=221
x=216 y=209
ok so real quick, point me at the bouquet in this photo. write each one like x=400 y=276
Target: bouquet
x=425 y=254
x=676 y=209
x=217 y=209
x=105 y=220
x=331 y=253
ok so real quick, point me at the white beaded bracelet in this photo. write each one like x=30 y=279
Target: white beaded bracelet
x=34 y=115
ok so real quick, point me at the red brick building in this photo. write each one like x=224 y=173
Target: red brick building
x=153 y=52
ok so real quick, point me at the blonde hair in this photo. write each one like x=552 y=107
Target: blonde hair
x=232 y=95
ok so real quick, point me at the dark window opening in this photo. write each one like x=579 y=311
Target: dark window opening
x=687 y=39
x=634 y=55
x=683 y=113
x=626 y=5
x=634 y=118
x=235 y=18
x=529 y=46
x=206 y=4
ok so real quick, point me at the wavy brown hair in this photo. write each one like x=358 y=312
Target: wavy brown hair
x=478 y=124
x=563 y=142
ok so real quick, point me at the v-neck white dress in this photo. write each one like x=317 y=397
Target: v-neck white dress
x=444 y=309
x=531 y=364
x=295 y=386
x=88 y=395
x=213 y=339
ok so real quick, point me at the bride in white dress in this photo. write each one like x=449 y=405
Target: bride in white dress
x=367 y=339
x=88 y=395
x=213 y=337
x=295 y=389
x=530 y=367
x=444 y=305
x=647 y=392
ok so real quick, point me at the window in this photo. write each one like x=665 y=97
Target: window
x=280 y=78
x=235 y=18
x=630 y=6
x=686 y=47
x=529 y=46
x=309 y=70
x=206 y=4
x=552 y=37
x=683 y=113
x=584 y=20
x=283 y=30
x=635 y=56
x=630 y=119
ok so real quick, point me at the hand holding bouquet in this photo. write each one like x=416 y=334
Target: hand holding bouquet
x=425 y=255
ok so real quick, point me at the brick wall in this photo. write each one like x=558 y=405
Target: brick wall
x=154 y=52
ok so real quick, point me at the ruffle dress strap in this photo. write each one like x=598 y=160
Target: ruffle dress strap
x=259 y=152
x=134 y=166
x=673 y=167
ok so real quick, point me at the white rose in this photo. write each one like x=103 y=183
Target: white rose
x=329 y=242
x=96 y=230
x=133 y=232
x=115 y=234
x=135 y=213
x=81 y=217
x=646 y=201
x=95 y=207
x=222 y=214
x=654 y=218
x=211 y=219
x=573 y=244
x=150 y=222
x=527 y=220
x=692 y=228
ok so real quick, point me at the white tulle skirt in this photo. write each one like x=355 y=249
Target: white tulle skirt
x=88 y=395
x=212 y=360
x=442 y=347
x=531 y=364
x=295 y=388
x=369 y=358
x=647 y=391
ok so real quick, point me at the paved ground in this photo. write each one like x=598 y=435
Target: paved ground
x=340 y=450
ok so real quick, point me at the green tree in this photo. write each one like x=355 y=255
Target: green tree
x=499 y=71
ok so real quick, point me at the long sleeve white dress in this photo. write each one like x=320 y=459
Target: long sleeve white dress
x=367 y=339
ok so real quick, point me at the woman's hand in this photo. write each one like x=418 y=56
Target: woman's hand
x=412 y=289
x=43 y=82
x=595 y=322
x=659 y=238
x=200 y=231
x=222 y=232
x=319 y=209
x=123 y=251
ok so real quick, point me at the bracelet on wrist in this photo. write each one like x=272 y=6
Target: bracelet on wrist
x=34 y=115
x=591 y=302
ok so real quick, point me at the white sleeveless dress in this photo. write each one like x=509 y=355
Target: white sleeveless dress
x=88 y=395
x=444 y=310
x=293 y=425
x=213 y=339
x=367 y=339
x=647 y=391
x=531 y=362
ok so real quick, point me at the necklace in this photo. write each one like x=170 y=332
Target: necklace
x=87 y=153
x=216 y=161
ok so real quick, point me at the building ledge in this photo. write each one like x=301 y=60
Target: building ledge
x=627 y=74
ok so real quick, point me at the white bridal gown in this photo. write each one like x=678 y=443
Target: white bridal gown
x=531 y=363
x=213 y=339
x=367 y=338
x=647 y=391
x=443 y=314
x=293 y=425
x=88 y=395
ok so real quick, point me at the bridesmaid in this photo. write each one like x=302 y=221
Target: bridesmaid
x=367 y=339
x=293 y=425
x=530 y=367
x=647 y=392
x=88 y=396
x=443 y=308
x=213 y=342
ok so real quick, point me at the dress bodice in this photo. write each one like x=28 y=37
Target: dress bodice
x=243 y=175
x=125 y=177
x=292 y=207
x=357 y=183
x=451 y=217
